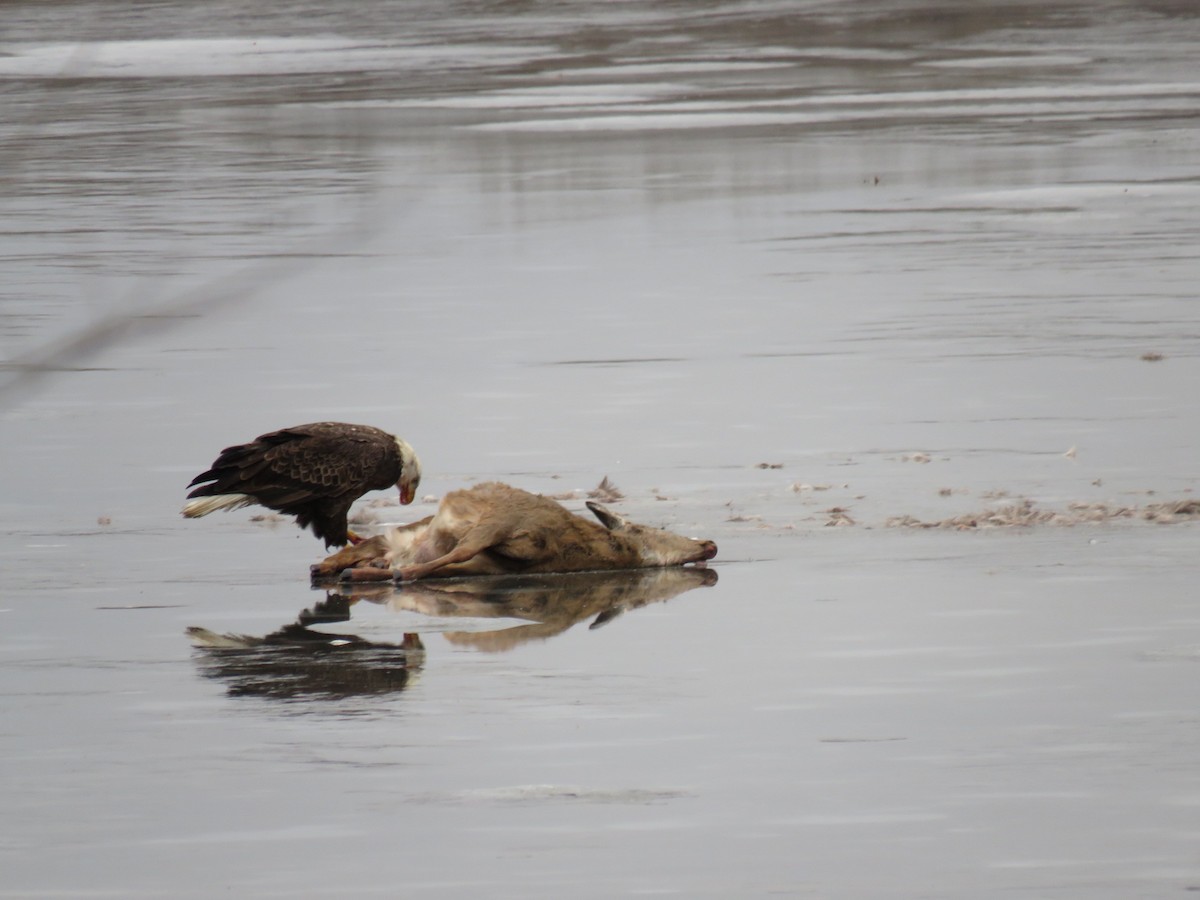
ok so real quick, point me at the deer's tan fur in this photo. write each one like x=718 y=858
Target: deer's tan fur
x=496 y=529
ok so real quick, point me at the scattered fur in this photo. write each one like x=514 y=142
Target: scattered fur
x=606 y=492
x=1025 y=513
x=838 y=517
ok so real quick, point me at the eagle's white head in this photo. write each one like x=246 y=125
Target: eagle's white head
x=410 y=471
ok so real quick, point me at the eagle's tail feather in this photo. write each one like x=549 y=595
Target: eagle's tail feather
x=202 y=506
x=202 y=637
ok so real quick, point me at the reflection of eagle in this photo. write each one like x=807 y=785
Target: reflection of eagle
x=298 y=661
x=313 y=472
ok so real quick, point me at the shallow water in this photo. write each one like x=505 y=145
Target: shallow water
x=907 y=256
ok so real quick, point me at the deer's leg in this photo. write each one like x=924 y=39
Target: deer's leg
x=468 y=547
x=350 y=556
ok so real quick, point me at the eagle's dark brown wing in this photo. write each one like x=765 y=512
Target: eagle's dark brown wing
x=313 y=472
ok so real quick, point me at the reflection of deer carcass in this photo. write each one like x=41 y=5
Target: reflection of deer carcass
x=495 y=529
x=552 y=603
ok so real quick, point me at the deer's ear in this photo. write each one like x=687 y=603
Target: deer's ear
x=608 y=519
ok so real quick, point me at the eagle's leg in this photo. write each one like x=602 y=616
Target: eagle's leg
x=354 y=538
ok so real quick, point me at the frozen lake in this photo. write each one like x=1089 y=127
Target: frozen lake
x=771 y=268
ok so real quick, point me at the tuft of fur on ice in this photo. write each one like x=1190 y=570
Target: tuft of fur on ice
x=202 y=506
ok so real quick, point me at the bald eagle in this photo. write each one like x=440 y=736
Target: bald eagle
x=313 y=472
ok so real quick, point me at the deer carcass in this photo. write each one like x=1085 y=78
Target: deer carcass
x=496 y=529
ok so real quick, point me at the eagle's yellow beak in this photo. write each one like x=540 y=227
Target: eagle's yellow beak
x=407 y=493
